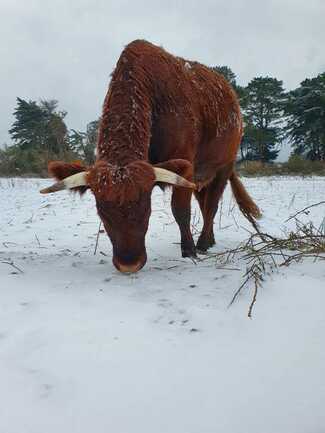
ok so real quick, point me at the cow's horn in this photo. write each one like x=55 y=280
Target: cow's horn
x=163 y=175
x=78 y=179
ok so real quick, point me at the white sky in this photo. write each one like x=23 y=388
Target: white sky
x=67 y=49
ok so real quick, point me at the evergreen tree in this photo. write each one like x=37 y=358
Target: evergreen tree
x=227 y=73
x=40 y=127
x=230 y=76
x=77 y=142
x=305 y=109
x=28 y=128
x=84 y=143
x=262 y=105
x=91 y=142
x=55 y=129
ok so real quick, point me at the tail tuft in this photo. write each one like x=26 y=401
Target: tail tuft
x=246 y=204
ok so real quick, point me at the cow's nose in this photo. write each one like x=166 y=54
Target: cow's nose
x=129 y=268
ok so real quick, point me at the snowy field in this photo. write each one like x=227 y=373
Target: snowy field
x=85 y=349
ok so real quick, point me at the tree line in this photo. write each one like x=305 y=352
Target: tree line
x=271 y=115
x=39 y=134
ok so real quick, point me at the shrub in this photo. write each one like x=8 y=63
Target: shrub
x=296 y=165
x=258 y=168
x=15 y=161
x=299 y=165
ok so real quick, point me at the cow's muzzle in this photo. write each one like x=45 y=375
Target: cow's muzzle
x=129 y=267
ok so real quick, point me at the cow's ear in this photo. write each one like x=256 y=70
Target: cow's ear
x=59 y=170
x=182 y=167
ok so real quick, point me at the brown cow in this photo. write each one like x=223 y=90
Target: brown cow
x=164 y=120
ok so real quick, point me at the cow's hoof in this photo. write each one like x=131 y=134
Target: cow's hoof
x=189 y=252
x=203 y=244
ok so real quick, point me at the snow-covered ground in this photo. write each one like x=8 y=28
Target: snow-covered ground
x=84 y=348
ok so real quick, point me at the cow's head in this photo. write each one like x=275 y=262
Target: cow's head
x=123 y=199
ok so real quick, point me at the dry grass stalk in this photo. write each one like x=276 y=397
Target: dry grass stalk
x=304 y=210
x=97 y=238
x=264 y=254
x=11 y=263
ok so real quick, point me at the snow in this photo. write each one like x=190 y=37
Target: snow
x=84 y=348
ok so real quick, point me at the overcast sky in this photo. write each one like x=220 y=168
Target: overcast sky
x=66 y=50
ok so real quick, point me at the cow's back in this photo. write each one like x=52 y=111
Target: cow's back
x=194 y=112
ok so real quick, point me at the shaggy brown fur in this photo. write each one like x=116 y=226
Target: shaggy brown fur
x=121 y=184
x=60 y=170
x=173 y=113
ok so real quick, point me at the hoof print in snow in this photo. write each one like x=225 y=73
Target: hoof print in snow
x=164 y=303
x=47 y=388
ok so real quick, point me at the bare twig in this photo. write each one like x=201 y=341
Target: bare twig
x=264 y=253
x=5 y=244
x=238 y=291
x=304 y=210
x=97 y=238
x=11 y=263
x=39 y=244
x=250 y=309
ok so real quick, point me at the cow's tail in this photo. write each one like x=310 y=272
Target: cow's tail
x=246 y=204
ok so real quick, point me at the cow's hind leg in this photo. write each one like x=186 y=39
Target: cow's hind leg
x=181 y=208
x=208 y=199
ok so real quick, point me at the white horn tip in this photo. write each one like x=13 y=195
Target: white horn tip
x=53 y=188
x=163 y=175
x=78 y=179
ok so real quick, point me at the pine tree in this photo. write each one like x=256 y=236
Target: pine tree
x=40 y=127
x=227 y=73
x=84 y=143
x=91 y=142
x=55 y=129
x=305 y=109
x=262 y=105
x=230 y=76
x=77 y=141
x=28 y=128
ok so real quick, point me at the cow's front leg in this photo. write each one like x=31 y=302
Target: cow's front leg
x=181 y=208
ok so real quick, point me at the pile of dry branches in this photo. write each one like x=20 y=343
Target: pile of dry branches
x=264 y=254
